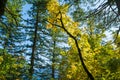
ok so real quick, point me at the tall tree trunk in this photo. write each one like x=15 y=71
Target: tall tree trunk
x=53 y=60
x=31 y=70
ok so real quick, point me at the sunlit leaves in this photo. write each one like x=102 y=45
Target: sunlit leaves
x=53 y=6
x=58 y=12
x=10 y=65
x=96 y=53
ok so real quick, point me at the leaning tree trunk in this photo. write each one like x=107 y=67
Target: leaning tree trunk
x=78 y=49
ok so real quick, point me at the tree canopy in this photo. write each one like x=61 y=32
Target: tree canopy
x=59 y=40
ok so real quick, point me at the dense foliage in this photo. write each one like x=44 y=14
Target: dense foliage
x=59 y=40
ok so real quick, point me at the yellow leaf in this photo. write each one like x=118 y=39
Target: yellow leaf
x=49 y=26
x=69 y=76
x=73 y=68
x=53 y=6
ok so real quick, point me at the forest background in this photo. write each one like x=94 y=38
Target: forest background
x=59 y=39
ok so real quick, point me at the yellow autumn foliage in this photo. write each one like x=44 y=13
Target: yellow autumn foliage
x=69 y=76
x=53 y=6
x=56 y=11
x=73 y=68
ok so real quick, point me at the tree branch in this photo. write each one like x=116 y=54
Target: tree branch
x=78 y=49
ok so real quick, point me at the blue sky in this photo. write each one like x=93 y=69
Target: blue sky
x=24 y=11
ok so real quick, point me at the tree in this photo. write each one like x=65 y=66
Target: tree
x=11 y=27
x=11 y=39
x=64 y=39
x=39 y=38
x=62 y=24
x=2 y=7
x=11 y=67
x=88 y=41
x=58 y=38
x=106 y=12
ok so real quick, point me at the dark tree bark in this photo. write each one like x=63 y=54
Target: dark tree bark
x=2 y=6
x=118 y=5
x=53 y=60
x=31 y=71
